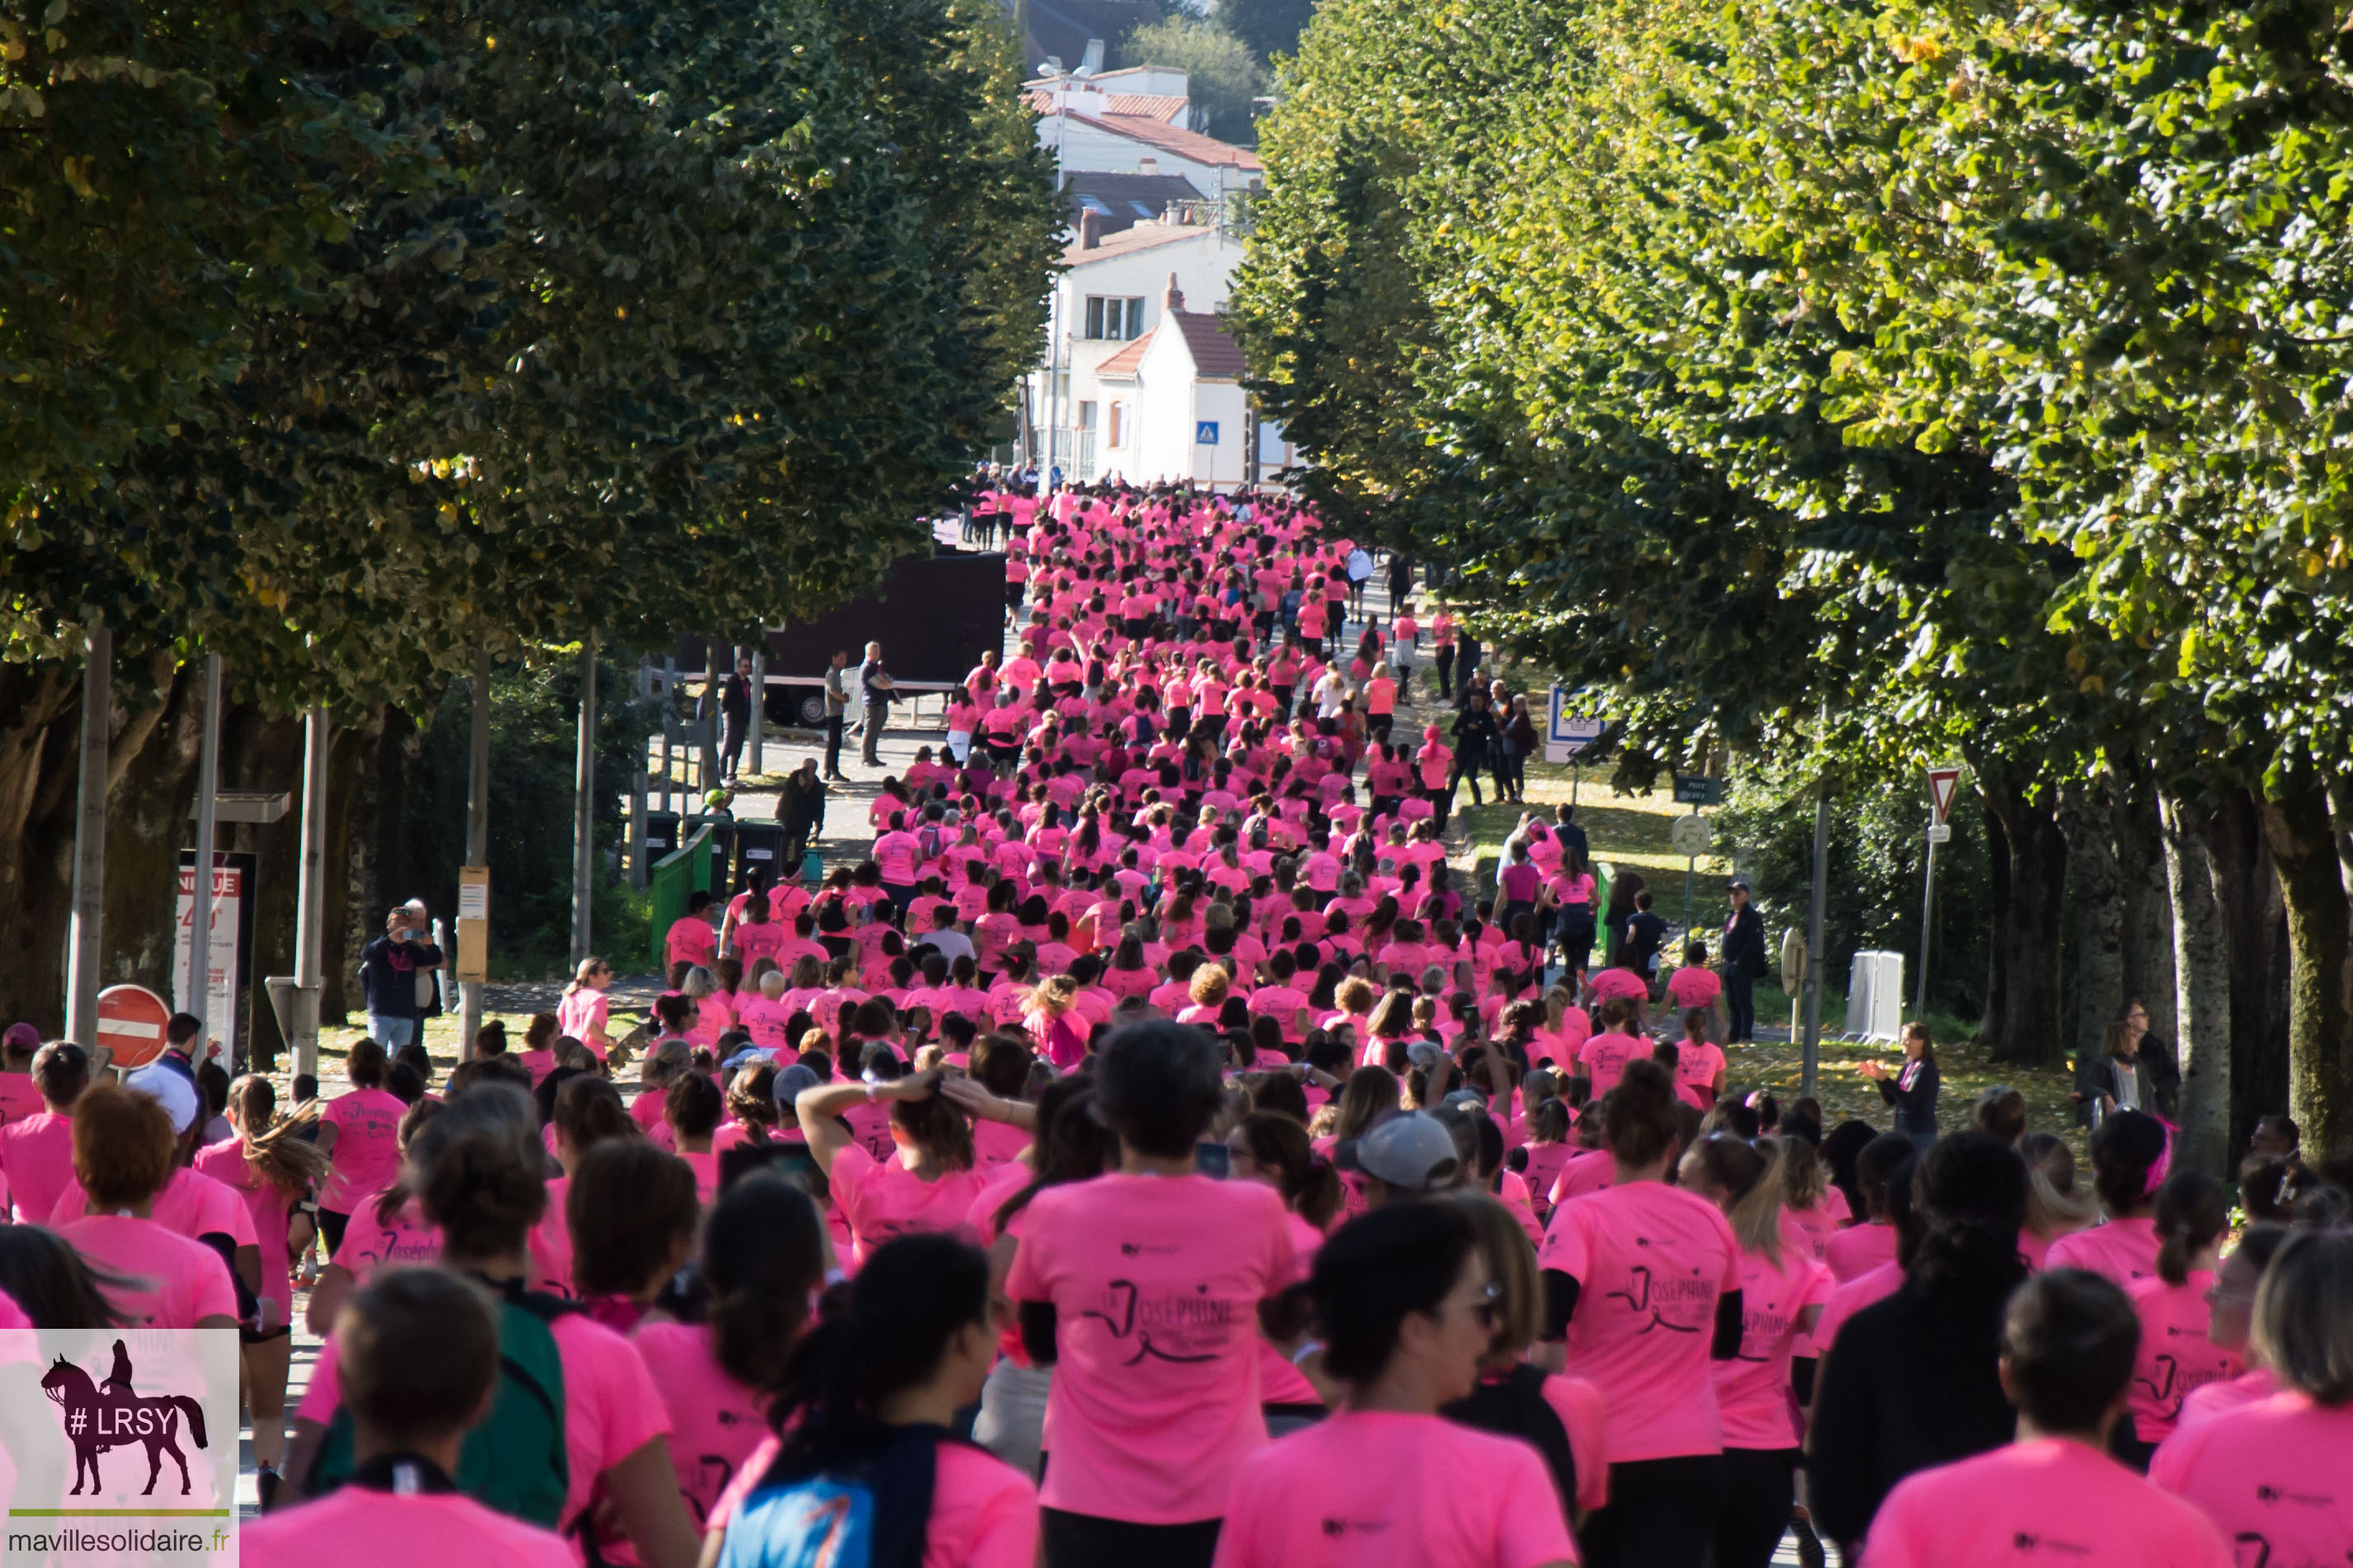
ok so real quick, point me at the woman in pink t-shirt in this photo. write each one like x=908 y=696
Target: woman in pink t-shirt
x=1141 y=1289
x=2054 y=1495
x=475 y=1168
x=361 y=1132
x=872 y=1391
x=582 y=1011
x=1782 y=1293
x=2272 y=1473
x=2176 y=1357
x=1408 y=1312
x=2130 y=1152
x=929 y=1185
x=36 y=1151
x=1643 y=1280
x=272 y=1168
x=124 y=1153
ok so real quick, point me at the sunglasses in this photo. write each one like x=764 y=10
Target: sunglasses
x=1486 y=1309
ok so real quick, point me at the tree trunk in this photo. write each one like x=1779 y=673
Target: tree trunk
x=2247 y=892
x=2148 y=914
x=1989 y=1027
x=2202 y=988
x=40 y=708
x=2091 y=819
x=2305 y=849
x=2030 y=1025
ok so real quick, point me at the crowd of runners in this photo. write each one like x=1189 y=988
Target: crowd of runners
x=1154 y=1152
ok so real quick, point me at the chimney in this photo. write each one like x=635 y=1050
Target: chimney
x=1148 y=164
x=1092 y=60
x=1090 y=229
x=1176 y=301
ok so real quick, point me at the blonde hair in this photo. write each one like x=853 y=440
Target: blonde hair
x=1055 y=996
x=586 y=972
x=1211 y=983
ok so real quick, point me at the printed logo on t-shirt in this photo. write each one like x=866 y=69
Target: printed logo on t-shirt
x=1171 y=1325
x=1341 y=1528
x=2025 y=1541
x=2268 y=1494
x=1645 y=1292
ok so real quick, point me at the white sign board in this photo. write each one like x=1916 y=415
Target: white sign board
x=221 y=954
x=1690 y=836
x=1942 y=833
x=1565 y=728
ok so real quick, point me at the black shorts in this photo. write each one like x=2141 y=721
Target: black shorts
x=1085 y=1540
x=245 y=1336
x=1013 y=591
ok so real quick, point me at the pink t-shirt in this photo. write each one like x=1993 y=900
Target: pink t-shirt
x=1695 y=985
x=191 y=1205
x=1155 y=1281
x=715 y=1421
x=2247 y=1388
x=2123 y=1250
x=1858 y=1249
x=266 y=1203
x=2275 y=1476
x=1385 y=1487
x=690 y=940
x=1647 y=1257
x=1609 y=983
x=882 y=1198
x=1587 y=1171
x=368 y=1246
x=995 y=1143
x=1604 y=1058
x=367 y=1147
x=36 y=1153
x=168 y=1280
x=354 y=1528
x=2048 y=1501
x=2175 y=1358
x=582 y=1014
x=611 y=1407
x=984 y=1511
x=1697 y=1064
x=1752 y=1390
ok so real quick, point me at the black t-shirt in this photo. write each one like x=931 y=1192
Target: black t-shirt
x=1644 y=933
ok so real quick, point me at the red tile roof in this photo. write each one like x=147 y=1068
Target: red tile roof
x=1125 y=362
x=1138 y=236
x=1216 y=357
x=1166 y=108
x=1184 y=143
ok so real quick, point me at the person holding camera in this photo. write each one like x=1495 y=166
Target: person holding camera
x=388 y=970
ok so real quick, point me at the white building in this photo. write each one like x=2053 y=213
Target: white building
x=1173 y=400
x=1112 y=295
x=1112 y=125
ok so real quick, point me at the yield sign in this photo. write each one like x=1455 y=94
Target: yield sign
x=1942 y=782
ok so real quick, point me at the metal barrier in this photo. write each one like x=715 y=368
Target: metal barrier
x=677 y=876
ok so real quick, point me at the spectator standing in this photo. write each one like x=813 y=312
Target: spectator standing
x=389 y=967
x=800 y=808
x=736 y=719
x=1743 y=948
x=837 y=701
x=874 y=683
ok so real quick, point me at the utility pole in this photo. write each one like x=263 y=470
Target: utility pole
x=90 y=840
x=196 y=998
x=1813 y=1058
x=478 y=833
x=310 y=891
x=583 y=806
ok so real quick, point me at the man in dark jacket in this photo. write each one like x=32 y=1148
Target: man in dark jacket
x=388 y=970
x=800 y=808
x=735 y=717
x=1744 y=963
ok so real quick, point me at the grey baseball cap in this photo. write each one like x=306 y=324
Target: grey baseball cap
x=1409 y=1150
x=792 y=1080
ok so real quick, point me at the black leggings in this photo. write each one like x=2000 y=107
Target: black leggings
x=331 y=1229
x=1085 y=1541
x=1759 y=1491
x=1661 y=1513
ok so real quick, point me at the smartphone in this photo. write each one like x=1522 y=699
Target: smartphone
x=1213 y=1160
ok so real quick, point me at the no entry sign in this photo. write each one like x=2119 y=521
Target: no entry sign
x=131 y=1020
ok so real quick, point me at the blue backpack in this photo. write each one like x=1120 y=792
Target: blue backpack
x=861 y=1504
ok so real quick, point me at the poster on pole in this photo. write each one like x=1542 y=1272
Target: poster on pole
x=230 y=945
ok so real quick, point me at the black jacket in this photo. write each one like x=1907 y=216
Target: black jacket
x=1895 y=1397
x=1744 y=942
x=799 y=803
x=1474 y=735
x=735 y=699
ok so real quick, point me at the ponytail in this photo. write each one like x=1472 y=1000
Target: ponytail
x=883 y=1332
x=274 y=1150
x=1750 y=1175
x=2190 y=1214
x=762 y=1256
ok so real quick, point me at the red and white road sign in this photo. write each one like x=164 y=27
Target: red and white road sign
x=1942 y=782
x=131 y=1020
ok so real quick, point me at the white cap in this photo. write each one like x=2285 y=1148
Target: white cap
x=169 y=1088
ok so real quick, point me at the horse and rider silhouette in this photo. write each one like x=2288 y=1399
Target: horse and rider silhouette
x=111 y=1414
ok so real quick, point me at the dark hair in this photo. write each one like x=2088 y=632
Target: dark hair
x=885 y=1331
x=627 y=1206
x=61 y=1072
x=1639 y=1121
x=1970 y=1199
x=2002 y=1112
x=50 y=1282
x=2068 y=1339
x=763 y=1254
x=1000 y=1064
x=588 y=1111
x=123 y=1147
x=1377 y=1269
x=1841 y=1150
x=1156 y=1085
x=365 y=1065
x=692 y=1104
x=1281 y=1094
x=1307 y=1181
x=1873 y=1166
x=2191 y=1212
x=476 y=1170
x=2125 y=1148
x=1071 y=1145
x=491 y=1039
x=417 y=1352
